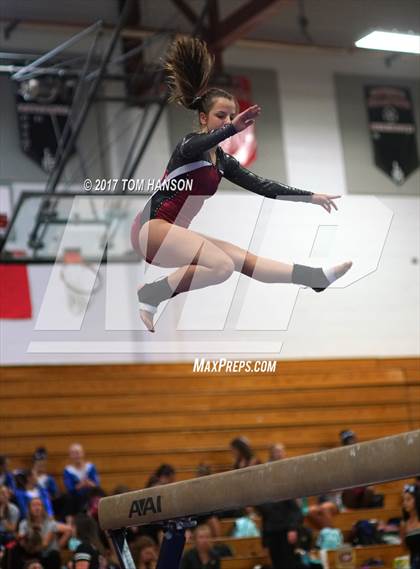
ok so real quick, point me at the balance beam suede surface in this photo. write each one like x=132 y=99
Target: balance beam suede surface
x=377 y=461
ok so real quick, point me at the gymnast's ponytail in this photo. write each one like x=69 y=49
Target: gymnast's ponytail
x=189 y=65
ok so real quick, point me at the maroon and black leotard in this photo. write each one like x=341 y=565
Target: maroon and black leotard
x=191 y=161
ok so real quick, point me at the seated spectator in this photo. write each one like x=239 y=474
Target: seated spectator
x=245 y=525
x=40 y=537
x=307 y=558
x=330 y=538
x=80 y=477
x=9 y=516
x=203 y=555
x=6 y=477
x=165 y=474
x=321 y=514
x=146 y=553
x=410 y=529
x=39 y=466
x=31 y=489
x=242 y=453
x=276 y=452
x=363 y=496
x=90 y=553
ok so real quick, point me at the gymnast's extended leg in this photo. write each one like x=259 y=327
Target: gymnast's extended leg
x=200 y=262
x=271 y=271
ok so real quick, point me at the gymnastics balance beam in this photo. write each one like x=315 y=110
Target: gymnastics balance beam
x=374 y=462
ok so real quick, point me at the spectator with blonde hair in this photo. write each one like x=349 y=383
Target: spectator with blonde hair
x=277 y=452
x=40 y=537
x=146 y=553
x=202 y=555
x=80 y=478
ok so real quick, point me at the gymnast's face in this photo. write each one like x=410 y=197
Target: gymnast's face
x=222 y=112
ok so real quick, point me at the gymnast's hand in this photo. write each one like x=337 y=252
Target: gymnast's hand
x=325 y=201
x=246 y=118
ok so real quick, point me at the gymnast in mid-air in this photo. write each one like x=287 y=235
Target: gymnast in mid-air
x=160 y=232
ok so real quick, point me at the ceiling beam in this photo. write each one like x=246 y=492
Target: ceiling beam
x=239 y=23
x=214 y=23
x=145 y=32
x=187 y=11
x=134 y=64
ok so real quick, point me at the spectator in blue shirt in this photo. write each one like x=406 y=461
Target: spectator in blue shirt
x=80 y=478
x=39 y=465
x=31 y=489
x=6 y=477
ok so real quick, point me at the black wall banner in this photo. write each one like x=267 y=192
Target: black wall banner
x=43 y=106
x=392 y=130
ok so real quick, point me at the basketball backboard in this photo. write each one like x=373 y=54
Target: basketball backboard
x=44 y=227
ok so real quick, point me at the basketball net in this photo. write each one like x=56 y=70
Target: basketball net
x=80 y=279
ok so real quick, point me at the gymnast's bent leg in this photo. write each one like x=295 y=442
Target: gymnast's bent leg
x=167 y=245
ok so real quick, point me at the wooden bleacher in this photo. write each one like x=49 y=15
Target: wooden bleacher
x=147 y=414
x=344 y=521
x=386 y=553
x=243 y=562
x=131 y=418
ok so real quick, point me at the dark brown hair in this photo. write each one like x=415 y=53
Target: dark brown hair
x=415 y=492
x=242 y=446
x=87 y=531
x=189 y=65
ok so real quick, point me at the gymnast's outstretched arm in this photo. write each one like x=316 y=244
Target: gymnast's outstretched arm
x=195 y=144
x=234 y=172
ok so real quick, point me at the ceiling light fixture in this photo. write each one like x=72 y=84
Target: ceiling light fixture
x=390 y=41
